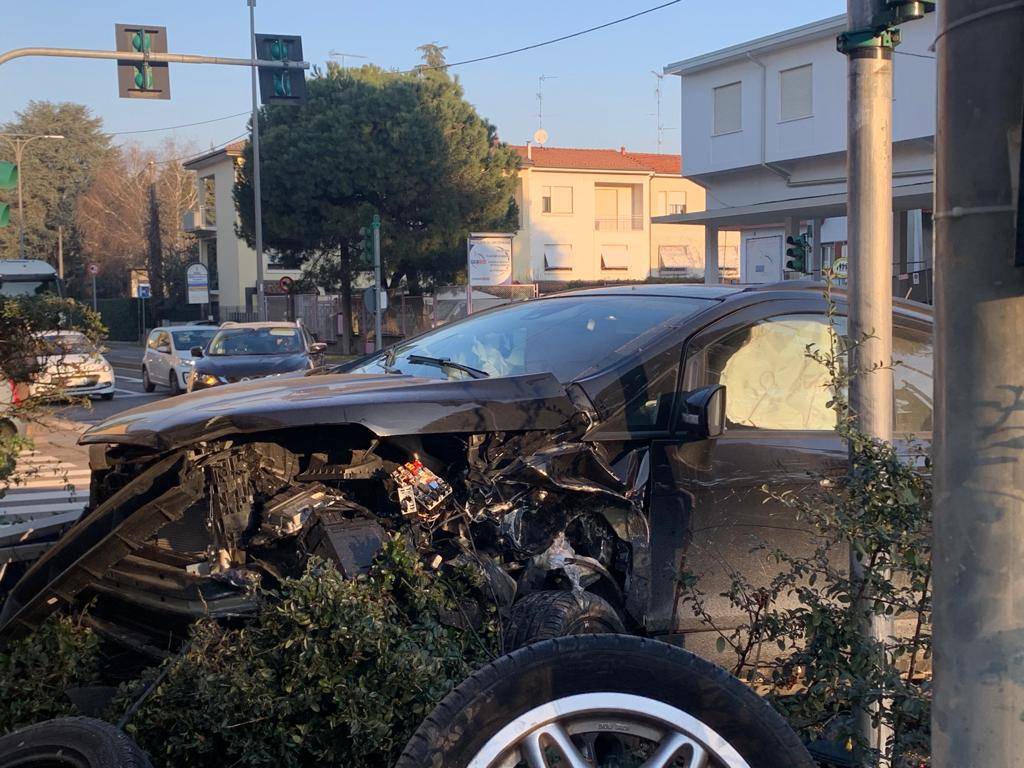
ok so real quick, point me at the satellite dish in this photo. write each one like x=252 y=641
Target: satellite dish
x=541 y=136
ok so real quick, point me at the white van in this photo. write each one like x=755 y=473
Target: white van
x=28 y=277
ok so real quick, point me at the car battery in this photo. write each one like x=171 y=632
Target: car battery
x=420 y=491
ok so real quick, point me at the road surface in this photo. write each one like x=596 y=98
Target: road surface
x=51 y=481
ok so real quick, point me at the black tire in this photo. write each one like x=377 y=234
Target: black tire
x=172 y=382
x=556 y=613
x=541 y=673
x=147 y=383
x=74 y=742
x=107 y=396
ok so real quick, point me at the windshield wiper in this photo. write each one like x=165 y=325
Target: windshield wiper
x=444 y=362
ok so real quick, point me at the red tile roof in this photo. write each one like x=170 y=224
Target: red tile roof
x=599 y=159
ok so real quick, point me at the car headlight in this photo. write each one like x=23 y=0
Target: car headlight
x=207 y=380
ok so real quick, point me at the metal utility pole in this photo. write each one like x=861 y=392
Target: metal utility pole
x=978 y=623
x=261 y=309
x=60 y=252
x=868 y=45
x=378 y=316
x=19 y=141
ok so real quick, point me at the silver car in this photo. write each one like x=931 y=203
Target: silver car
x=168 y=359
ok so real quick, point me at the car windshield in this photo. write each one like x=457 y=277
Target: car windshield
x=565 y=336
x=68 y=344
x=44 y=286
x=193 y=337
x=256 y=341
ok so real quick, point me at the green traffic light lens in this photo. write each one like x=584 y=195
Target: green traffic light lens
x=144 y=77
x=141 y=41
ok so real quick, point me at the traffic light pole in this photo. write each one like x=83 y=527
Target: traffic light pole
x=261 y=308
x=979 y=369
x=869 y=223
x=153 y=58
x=378 y=316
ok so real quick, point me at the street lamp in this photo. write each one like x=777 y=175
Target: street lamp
x=19 y=141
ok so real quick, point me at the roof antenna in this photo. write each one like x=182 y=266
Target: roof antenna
x=540 y=99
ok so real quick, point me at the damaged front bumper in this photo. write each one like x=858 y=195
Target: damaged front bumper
x=193 y=530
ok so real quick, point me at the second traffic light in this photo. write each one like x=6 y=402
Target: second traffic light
x=8 y=180
x=796 y=253
x=281 y=85
x=142 y=79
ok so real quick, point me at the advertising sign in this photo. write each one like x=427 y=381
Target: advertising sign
x=490 y=259
x=197 y=277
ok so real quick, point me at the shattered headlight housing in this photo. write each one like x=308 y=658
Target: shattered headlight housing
x=201 y=380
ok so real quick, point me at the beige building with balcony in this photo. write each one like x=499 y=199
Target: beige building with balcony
x=585 y=216
x=232 y=263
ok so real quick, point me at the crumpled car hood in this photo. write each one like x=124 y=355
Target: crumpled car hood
x=386 y=404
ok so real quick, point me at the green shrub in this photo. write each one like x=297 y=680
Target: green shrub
x=331 y=672
x=35 y=672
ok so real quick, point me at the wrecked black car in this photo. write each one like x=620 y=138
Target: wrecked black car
x=573 y=445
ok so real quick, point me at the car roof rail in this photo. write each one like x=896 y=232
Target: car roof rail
x=785 y=285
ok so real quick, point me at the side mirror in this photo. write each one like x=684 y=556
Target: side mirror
x=703 y=412
x=165 y=348
x=197 y=351
x=317 y=348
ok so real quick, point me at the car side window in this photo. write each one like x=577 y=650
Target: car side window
x=154 y=340
x=770 y=381
x=912 y=381
x=647 y=392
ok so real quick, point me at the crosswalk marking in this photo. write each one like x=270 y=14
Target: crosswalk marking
x=45 y=493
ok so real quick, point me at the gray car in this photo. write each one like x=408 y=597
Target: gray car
x=168 y=359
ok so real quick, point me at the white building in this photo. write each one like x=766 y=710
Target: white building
x=764 y=132
x=230 y=260
x=585 y=216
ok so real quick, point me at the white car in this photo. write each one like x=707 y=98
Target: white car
x=168 y=359
x=73 y=366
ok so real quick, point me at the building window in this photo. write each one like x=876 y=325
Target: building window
x=795 y=93
x=208 y=201
x=556 y=199
x=615 y=257
x=557 y=258
x=728 y=108
x=670 y=202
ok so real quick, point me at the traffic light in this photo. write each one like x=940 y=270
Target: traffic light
x=8 y=180
x=796 y=253
x=281 y=85
x=366 y=245
x=142 y=79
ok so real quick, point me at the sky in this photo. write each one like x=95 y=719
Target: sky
x=601 y=91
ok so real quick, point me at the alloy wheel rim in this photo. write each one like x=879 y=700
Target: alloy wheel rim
x=555 y=735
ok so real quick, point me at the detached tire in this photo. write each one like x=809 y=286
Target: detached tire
x=549 y=614
x=71 y=742
x=605 y=686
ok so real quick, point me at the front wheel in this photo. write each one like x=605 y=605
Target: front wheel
x=172 y=382
x=147 y=384
x=601 y=701
x=70 y=742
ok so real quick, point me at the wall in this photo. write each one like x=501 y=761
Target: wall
x=821 y=134
x=236 y=261
x=539 y=229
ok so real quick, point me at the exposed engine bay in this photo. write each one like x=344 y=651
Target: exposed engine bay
x=192 y=532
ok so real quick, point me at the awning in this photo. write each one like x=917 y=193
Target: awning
x=614 y=257
x=905 y=197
